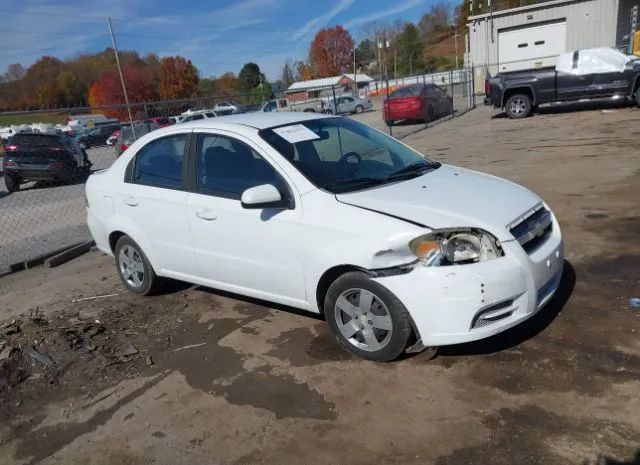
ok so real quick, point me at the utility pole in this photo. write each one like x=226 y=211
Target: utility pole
x=455 y=40
x=384 y=45
x=356 y=94
x=124 y=87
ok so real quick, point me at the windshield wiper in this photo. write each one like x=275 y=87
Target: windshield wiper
x=412 y=169
x=367 y=181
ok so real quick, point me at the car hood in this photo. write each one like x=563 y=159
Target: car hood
x=450 y=197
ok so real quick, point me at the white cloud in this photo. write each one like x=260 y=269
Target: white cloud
x=398 y=8
x=323 y=19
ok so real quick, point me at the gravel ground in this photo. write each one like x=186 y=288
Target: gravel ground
x=237 y=381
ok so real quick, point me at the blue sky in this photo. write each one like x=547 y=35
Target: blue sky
x=217 y=35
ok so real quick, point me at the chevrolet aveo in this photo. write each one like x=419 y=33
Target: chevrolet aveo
x=329 y=215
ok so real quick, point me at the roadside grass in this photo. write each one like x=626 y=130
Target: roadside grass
x=54 y=118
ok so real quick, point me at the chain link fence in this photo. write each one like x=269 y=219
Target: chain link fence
x=42 y=217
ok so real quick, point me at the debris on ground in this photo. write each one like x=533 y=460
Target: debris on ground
x=34 y=354
x=6 y=353
x=192 y=346
x=83 y=299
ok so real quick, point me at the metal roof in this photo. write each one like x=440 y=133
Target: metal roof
x=326 y=82
x=520 y=9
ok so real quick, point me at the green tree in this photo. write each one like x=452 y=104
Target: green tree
x=72 y=90
x=366 y=52
x=249 y=77
x=409 y=49
x=207 y=86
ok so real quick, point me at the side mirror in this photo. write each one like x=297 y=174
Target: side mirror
x=264 y=196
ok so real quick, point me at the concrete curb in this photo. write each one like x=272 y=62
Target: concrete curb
x=69 y=254
x=37 y=260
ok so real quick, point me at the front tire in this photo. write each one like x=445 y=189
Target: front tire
x=359 y=108
x=366 y=318
x=12 y=183
x=134 y=268
x=518 y=106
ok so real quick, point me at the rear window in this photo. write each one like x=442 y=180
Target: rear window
x=35 y=140
x=407 y=91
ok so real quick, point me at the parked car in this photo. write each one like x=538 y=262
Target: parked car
x=329 y=215
x=417 y=102
x=36 y=156
x=347 y=104
x=161 y=121
x=126 y=135
x=580 y=74
x=97 y=136
x=111 y=140
x=196 y=115
x=225 y=108
x=8 y=132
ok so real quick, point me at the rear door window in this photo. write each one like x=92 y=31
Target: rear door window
x=159 y=163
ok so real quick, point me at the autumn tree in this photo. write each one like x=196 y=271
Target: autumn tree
x=206 y=86
x=435 y=25
x=304 y=71
x=227 y=84
x=178 y=78
x=331 y=52
x=108 y=90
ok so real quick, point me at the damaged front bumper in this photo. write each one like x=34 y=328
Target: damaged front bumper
x=463 y=303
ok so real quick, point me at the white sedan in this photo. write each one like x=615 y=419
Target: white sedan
x=329 y=215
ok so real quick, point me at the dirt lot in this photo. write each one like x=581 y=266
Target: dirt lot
x=194 y=376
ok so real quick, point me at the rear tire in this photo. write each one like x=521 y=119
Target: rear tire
x=638 y=96
x=518 y=106
x=430 y=115
x=366 y=318
x=12 y=183
x=134 y=268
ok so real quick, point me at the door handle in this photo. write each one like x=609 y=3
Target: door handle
x=206 y=215
x=131 y=202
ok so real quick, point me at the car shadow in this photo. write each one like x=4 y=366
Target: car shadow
x=573 y=107
x=46 y=184
x=524 y=331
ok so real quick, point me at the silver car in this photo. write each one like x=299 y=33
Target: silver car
x=347 y=104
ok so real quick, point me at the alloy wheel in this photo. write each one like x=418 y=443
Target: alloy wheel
x=131 y=266
x=363 y=319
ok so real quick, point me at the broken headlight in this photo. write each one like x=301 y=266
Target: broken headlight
x=455 y=247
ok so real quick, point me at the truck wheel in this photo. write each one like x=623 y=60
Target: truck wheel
x=638 y=96
x=12 y=183
x=518 y=106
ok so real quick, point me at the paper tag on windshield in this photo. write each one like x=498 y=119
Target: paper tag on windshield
x=296 y=133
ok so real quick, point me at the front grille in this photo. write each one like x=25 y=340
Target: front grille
x=534 y=230
x=484 y=318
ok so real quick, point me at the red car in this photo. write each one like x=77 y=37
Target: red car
x=421 y=102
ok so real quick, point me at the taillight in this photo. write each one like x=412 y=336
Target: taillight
x=10 y=164
x=487 y=87
x=11 y=148
x=123 y=147
x=56 y=149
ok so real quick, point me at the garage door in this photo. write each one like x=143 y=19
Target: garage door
x=531 y=47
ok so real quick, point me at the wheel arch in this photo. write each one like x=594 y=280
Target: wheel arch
x=329 y=277
x=526 y=90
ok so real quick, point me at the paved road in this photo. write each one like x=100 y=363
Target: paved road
x=42 y=217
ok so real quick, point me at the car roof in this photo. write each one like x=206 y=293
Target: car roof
x=257 y=120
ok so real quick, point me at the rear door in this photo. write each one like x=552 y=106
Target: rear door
x=347 y=105
x=153 y=200
x=572 y=85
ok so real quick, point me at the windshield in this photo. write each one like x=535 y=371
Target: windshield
x=342 y=155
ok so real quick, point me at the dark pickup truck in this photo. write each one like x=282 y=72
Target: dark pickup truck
x=519 y=93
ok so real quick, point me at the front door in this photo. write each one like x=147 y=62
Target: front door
x=249 y=251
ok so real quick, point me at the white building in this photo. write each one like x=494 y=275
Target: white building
x=533 y=36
